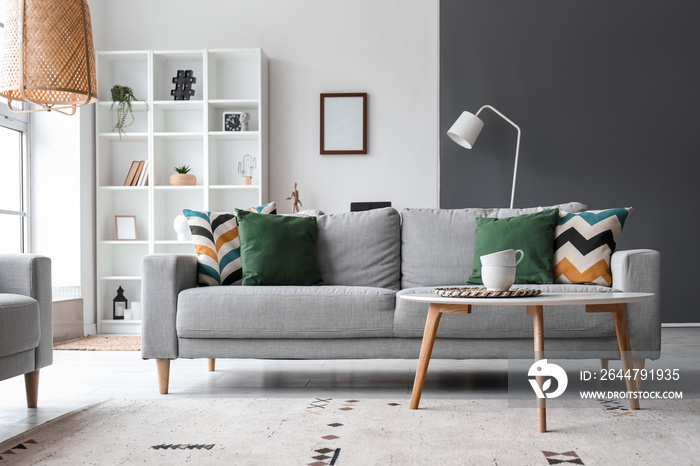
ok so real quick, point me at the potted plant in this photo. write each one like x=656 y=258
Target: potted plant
x=123 y=96
x=182 y=177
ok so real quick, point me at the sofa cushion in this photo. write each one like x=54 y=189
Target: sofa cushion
x=583 y=244
x=285 y=312
x=506 y=321
x=437 y=245
x=532 y=233
x=19 y=324
x=277 y=250
x=218 y=246
x=360 y=248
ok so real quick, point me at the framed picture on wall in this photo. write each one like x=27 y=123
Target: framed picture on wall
x=344 y=123
x=125 y=227
x=236 y=121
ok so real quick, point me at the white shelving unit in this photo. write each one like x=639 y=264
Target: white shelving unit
x=169 y=133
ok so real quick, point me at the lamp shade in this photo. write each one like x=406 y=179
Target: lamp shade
x=48 y=58
x=466 y=129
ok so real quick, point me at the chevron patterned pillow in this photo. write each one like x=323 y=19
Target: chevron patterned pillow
x=218 y=246
x=583 y=244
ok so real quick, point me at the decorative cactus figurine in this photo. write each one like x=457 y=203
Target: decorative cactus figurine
x=246 y=167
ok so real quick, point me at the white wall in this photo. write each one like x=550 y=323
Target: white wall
x=55 y=194
x=387 y=48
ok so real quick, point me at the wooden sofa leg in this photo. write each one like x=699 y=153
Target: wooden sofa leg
x=163 y=375
x=603 y=364
x=31 y=385
x=211 y=364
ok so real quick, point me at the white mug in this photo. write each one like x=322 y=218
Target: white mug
x=498 y=278
x=506 y=258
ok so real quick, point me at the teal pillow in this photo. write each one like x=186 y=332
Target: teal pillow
x=533 y=233
x=278 y=250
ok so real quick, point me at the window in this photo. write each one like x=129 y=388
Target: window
x=13 y=188
x=14 y=218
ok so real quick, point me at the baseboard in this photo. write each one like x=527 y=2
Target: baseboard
x=90 y=329
x=681 y=324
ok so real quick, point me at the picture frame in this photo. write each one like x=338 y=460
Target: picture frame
x=125 y=227
x=344 y=123
x=235 y=121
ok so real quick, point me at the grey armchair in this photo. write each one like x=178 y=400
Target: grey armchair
x=26 y=336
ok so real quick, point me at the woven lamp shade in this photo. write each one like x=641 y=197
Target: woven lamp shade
x=48 y=58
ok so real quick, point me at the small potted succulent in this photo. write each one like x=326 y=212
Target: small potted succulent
x=182 y=177
x=122 y=97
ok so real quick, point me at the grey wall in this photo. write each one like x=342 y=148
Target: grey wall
x=607 y=95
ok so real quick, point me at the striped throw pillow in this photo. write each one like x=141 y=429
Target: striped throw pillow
x=584 y=243
x=218 y=246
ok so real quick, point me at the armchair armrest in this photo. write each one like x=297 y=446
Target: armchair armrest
x=164 y=276
x=30 y=275
x=640 y=271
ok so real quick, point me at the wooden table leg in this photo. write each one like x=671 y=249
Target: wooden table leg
x=426 y=349
x=623 y=341
x=536 y=312
x=619 y=315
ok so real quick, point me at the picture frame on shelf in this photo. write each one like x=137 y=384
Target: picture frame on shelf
x=235 y=121
x=344 y=123
x=125 y=227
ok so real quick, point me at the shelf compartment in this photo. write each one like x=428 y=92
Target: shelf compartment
x=228 y=200
x=216 y=118
x=169 y=204
x=234 y=74
x=122 y=202
x=171 y=152
x=165 y=67
x=115 y=158
x=124 y=68
x=224 y=156
x=178 y=117
x=107 y=118
x=120 y=261
x=106 y=294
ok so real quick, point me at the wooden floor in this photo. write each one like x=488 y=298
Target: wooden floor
x=79 y=378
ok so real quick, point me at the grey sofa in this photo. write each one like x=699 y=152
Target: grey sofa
x=367 y=259
x=26 y=339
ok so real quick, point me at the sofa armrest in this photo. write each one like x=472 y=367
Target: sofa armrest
x=164 y=276
x=639 y=270
x=30 y=275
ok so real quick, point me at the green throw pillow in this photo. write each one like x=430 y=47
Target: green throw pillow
x=533 y=233
x=278 y=250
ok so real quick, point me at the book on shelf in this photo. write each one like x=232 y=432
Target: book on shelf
x=137 y=174
x=143 y=176
x=132 y=173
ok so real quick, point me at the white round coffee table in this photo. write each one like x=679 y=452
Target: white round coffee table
x=614 y=303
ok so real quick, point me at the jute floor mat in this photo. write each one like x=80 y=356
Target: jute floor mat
x=101 y=343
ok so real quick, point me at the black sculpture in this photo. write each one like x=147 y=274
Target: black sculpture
x=183 y=85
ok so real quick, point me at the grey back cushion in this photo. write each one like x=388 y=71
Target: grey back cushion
x=437 y=245
x=360 y=248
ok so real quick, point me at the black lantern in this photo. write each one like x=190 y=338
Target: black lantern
x=119 y=305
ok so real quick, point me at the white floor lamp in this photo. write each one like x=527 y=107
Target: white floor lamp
x=466 y=130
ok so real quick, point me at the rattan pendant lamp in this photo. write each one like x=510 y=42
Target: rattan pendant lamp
x=48 y=58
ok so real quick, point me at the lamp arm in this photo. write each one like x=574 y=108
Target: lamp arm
x=517 y=148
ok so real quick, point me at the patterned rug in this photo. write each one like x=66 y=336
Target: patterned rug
x=332 y=431
x=99 y=343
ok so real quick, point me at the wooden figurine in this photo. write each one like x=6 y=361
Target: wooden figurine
x=294 y=197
